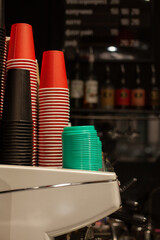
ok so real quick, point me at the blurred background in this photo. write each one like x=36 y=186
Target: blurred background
x=109 y=45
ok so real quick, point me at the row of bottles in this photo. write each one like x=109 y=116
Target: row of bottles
x=86 y=94
x=123 y=97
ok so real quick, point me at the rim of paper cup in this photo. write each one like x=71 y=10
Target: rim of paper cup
x=51 y=126
x=50 y=161
x=53 y=98
x=54 y=102
x=41 y=152
x=54 y=117
x=45 y=105
x=55 y=114
x=48 y=148
x=51 y=131
x=28 y=67
x=59 y=154
x=21 y=59
x=41 y=89
x=53 y=141
x=46 y=110
x=47 y=121
x=49 y=134
x=47 y=137
x=22 y=63
x=59 y=160
x=54 y=93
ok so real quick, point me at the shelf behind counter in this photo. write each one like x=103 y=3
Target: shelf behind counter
x=115 y=114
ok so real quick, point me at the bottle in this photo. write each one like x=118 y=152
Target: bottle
x=138 y=93
x=153 y=92
x=77 y=88
x=107 y=94
x=91 y=84
x=123 y=92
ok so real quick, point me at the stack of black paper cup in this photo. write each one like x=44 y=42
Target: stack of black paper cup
x=17 y=127
x=2 y=54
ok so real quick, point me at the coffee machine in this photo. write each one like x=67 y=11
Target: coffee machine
x=41 y=203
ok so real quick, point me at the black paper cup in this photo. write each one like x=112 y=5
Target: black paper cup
x=17 y=151
x=21 y=159
x=17 y=162
x=12 y=144
x=17 y=123
x=15 y=126
x=2 y=14
x=16 y=130
x=16 y=157
x=17 y=138
x=2 y=31
x=22 y=123
x=17 y=100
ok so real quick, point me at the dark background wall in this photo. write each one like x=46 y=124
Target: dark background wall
x=46 y=18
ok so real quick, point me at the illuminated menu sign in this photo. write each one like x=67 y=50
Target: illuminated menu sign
x=116 y=29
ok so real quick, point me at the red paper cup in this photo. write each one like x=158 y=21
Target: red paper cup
x=56 y=125
x=21 y=43
x=52 y=97
x=49 y=150
x=54 y=89
x=22 y=65
x=52 y=161
x=57 y=94
x=53 y=109
x=53 y=137
x=55 y=102
x=22 y=60
x=51 y=130
x=50 y=166
x=56 y=154
x=49 y=134
x=43 y=144
x=53 y=118
x=47 y=113
x=54 y=121
x=48 y=142
x=52 y=124
x=54 y=106
x=46 y=137
x=53 y=70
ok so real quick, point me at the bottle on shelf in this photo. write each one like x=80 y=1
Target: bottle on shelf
x=107 y=95
x=138 y=94
x=91 y=84
x=123 y=92
x=77 y=88
x=153 y=92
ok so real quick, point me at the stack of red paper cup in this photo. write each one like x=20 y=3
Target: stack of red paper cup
x=21 y=54
x=53 y=108
x=3 y=76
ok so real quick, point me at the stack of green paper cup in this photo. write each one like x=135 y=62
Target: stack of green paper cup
x=82 y=148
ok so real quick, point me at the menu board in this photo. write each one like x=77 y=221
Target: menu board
x=116 y=29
